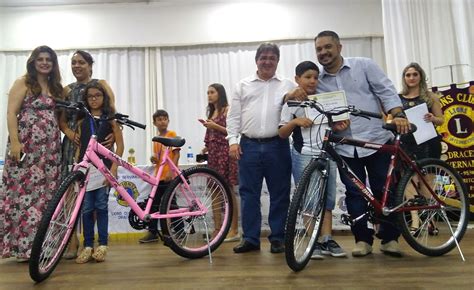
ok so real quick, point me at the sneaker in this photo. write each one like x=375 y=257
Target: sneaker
x=391 y=248
x=149 y=238
x=332 y=248
x=361 y=249
x=317 y=253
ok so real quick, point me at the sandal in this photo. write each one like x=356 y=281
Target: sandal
x=71 y=253
x=234 y=238
x=432 y=229
x=414 y=231
x=100 y=253
x=85 y=256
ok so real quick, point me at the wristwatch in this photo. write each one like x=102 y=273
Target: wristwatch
x=400 y=114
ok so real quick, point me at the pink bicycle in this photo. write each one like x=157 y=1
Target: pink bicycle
x=198 y=201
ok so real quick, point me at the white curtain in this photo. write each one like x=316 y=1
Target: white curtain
x=187 y=72
x=437 y=34
x=124 y=70
x=174 y=79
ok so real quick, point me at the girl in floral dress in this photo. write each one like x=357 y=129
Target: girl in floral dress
x=29 y=183
x=217 y=148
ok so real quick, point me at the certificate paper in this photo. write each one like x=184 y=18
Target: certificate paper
x=96 y=179
x=332 y=100
x=425 y=130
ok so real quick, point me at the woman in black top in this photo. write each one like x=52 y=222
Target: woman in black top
x=415 y=92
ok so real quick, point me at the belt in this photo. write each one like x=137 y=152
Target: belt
x=262 y=140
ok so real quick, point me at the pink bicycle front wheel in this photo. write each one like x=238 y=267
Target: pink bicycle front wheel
x=56 y=227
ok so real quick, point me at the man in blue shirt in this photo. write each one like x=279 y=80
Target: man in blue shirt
x=367 y=88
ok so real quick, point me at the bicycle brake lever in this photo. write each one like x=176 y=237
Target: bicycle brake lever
x=127 y=125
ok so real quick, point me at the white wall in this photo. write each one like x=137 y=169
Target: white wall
x=166 y=24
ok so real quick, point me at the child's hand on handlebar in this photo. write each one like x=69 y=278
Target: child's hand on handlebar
x=341 y=125
x=302 y=122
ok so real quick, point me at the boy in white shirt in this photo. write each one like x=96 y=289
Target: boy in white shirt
x=307 y=139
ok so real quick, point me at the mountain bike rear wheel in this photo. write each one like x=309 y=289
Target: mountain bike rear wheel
x=432 y=231
x=188 y=235
x=305 y=215
x=56 y=226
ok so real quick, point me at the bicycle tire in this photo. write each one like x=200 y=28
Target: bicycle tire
x=187 y=235
x=433 y=237
x=305 y=215
x=56 y=228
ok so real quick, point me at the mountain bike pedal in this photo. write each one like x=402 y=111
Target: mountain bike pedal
x=190 y=230
x=418 y=200
x=346 y=219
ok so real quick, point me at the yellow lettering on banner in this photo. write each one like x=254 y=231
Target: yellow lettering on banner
x=461 y=154
x=446 y=100
x=461 y=164
x=465 y=98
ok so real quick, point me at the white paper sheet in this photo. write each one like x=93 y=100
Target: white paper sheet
x=332 y=100
x=96 y=179
x=425 y=130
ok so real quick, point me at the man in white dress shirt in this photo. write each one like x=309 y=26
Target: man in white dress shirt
x=254 y=115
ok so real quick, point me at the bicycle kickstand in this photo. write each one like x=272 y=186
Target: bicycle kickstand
x=207 y=240
x=445 y=217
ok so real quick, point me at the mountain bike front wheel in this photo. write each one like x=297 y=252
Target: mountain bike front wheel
x=431 y=231
x=56 y=227
x=188 y=235
x=305 y=215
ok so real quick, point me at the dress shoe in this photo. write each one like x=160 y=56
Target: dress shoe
x=277 y=247
x=245 y=246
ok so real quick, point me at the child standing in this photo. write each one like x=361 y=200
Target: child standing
x=96 y=198
x=161 y=121
x=218 y=149
x=306 y=141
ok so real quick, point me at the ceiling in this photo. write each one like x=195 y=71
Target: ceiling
x=26 y=3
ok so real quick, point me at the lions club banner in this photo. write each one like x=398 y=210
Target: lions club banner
x=118 y=208
x=457 y=104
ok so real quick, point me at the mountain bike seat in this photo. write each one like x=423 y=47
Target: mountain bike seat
x=173 y=142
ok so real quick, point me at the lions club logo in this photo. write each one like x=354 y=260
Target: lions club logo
x=458 y=122
x=131 y=189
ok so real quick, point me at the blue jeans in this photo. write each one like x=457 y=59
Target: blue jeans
x=97 y=200
x=272 y=161
x=155 y=207
x=377 y=167
x=299 y=163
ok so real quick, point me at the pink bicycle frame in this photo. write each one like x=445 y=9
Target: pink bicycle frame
x=91 y=157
